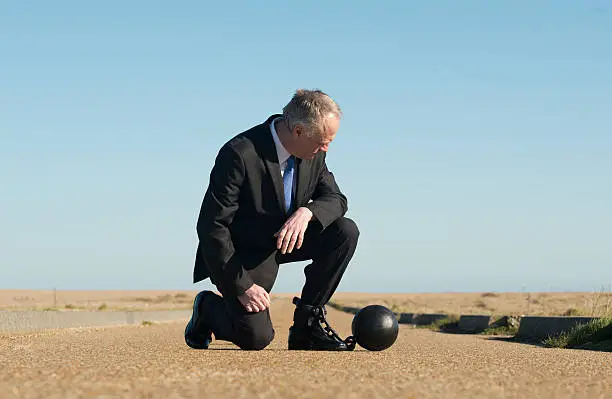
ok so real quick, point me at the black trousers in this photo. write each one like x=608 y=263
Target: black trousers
x=330 y=250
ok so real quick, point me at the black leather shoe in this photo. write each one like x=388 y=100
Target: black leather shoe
x=197 y=334
x=311 y=331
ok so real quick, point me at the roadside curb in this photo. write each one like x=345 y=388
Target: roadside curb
x=530 y=328
x=540 y=327
x=474 y=323
x=422 y=319
x=17 y=321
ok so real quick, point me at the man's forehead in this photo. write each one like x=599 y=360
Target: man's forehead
x=330 y=127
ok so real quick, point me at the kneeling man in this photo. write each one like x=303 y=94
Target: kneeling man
x=272 y=200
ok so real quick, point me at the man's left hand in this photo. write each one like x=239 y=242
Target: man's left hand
x=292 y=233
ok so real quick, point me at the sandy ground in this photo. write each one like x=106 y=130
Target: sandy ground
x=598 y=303
x=154 y=362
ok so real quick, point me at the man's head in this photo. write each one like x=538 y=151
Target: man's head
x=311 y=120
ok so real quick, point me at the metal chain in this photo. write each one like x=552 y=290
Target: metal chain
x=321 y=312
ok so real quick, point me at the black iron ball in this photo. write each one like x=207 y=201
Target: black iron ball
x=375 y=327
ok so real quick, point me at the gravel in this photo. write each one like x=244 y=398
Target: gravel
x=137 y=361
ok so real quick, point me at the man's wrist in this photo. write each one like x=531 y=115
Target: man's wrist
x=312 y=216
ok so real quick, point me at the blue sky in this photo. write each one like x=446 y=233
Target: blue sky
x=476 y=148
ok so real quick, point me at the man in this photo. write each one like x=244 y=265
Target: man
x=272 y=200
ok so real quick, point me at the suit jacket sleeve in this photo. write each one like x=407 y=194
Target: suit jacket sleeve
x=328 y=202
x=219 y=206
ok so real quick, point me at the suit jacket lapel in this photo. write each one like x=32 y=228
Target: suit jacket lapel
x=270 y=157
x=275 y=175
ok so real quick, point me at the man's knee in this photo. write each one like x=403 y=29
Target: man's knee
x=255 y=337
x=348 y=229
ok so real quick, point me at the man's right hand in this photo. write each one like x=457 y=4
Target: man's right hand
x=255 y=299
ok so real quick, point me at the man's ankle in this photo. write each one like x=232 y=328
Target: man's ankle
x=304 y=314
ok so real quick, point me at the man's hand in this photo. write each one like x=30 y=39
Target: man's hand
x=292 y=233
x=255 y=299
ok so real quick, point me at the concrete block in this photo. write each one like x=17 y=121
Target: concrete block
x=405 y=318
x=540 y=327
x=422 y=319
x=474 y=323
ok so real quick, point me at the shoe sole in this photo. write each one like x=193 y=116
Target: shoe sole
x=196 y=314
x=311 y=347
x=301 y=344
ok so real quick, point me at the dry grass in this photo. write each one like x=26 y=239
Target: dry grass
x=95 y=300
x=598 y=303
x=103 y=300
x=596 y=334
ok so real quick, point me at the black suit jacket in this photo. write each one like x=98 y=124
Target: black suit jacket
x=243 y=207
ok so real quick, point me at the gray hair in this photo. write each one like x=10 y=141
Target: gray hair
x=309 y=108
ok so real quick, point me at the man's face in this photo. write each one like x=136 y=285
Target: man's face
x=307 y=147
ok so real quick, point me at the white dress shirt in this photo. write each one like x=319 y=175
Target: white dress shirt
x=281 y=151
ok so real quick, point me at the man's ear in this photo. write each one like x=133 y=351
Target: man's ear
x=298 y=130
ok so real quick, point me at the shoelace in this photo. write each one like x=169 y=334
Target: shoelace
x=319 y=313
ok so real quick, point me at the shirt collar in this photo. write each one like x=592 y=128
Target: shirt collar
x=281 y=151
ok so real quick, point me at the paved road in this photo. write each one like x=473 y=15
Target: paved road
x=153 y=361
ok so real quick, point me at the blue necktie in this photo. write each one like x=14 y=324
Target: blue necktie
x=288 y=182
